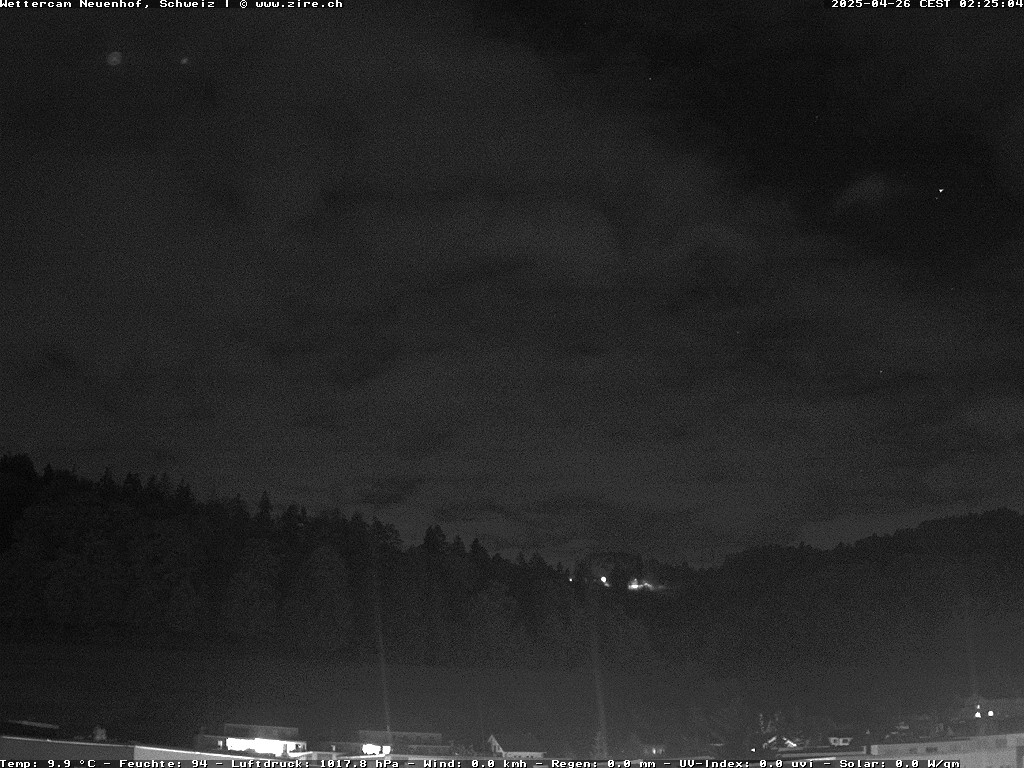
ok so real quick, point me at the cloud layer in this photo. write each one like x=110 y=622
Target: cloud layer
x=390 y=253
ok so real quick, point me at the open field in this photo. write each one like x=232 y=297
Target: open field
x=166 y=695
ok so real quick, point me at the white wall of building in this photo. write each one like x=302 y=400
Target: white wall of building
x=1002 y=751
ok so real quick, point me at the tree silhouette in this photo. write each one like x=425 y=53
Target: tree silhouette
x=319 y=610
x=19 y=486
x=497 y=635
x=251 y=603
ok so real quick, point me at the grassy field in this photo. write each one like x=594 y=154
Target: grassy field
x=166 y=695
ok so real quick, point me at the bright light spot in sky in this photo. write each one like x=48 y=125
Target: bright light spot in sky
x=185 y=61
x=114 y=58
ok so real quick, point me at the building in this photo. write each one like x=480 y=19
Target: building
x=397 y=745
x=30 y=728
x=999 y=751
x=824 y=756
x=515 y=747
x=425 y=743
x=841 y=739
x=779 y=742
x=270 y=740
x=23 y=748
x=253 y=740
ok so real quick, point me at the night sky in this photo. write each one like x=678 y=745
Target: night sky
x=673 y=278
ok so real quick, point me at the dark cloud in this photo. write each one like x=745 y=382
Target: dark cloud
x=400 y=267
x=389 y=491
x=47 y=368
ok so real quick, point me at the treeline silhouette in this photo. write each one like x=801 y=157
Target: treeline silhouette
x=134 y=561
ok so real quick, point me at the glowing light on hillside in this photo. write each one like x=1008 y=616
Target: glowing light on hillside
x=636 y=584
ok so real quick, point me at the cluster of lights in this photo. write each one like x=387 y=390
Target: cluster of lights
x=978 y=712
x=634 y=584
x=376 y=749
x=637 y=584
x=604 y=580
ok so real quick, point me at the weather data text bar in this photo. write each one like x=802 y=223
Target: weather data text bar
x=257 y=762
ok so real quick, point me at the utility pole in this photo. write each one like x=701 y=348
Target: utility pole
x=969 y=644
x=601 y=741
x=379 y=626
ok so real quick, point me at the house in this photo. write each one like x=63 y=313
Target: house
x=514 y=747
x=780 y=742
x=841 y=739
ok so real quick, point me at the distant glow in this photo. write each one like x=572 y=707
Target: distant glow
x=977 y=714
x=636 y=584
x=185 y=61
x=376 y=749
x=114 y=58
x=990 y=713
x=604 y=579
x=263 y=746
